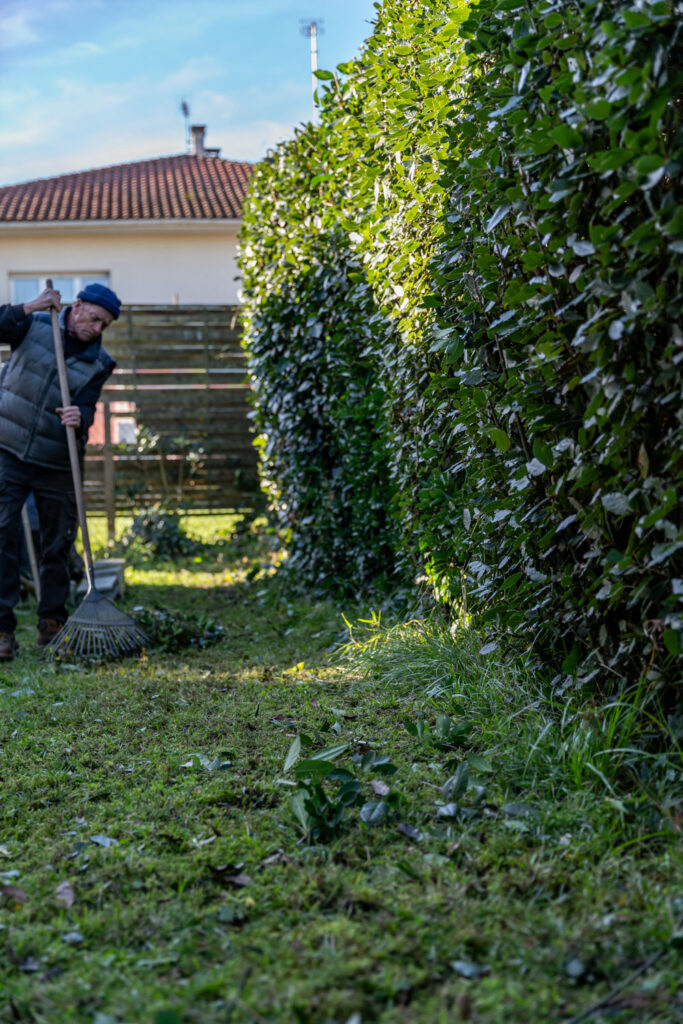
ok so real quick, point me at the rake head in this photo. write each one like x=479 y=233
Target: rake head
x=97 y=630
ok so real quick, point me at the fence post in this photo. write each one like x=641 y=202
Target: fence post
x=109 y=497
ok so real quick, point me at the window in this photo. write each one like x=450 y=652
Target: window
x=27 y=286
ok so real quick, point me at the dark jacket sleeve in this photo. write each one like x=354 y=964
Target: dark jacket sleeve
x=14 y=325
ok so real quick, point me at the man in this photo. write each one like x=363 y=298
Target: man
x=34 y=454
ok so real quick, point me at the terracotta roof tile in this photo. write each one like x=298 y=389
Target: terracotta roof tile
x=167 y=188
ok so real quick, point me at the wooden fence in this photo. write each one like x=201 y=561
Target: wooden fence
x=173 y=423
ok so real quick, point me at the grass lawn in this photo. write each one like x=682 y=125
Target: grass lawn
x=482 y=855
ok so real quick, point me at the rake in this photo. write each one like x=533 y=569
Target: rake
x=97 y=629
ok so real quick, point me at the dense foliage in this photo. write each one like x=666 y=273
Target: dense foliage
x=318 y=400
x=509 y=188
x=564 y=224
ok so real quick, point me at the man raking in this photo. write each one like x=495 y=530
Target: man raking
x=34 y=455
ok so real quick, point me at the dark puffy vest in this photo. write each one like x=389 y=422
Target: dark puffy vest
x=29 y=393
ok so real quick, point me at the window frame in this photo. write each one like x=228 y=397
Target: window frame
x=78 y=278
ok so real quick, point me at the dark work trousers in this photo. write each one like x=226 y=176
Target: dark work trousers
x=54 y=493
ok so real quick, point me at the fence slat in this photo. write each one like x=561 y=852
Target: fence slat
x=184 y=372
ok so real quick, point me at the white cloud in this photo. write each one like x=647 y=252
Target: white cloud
x=16 y=30
x=84 y=49
x=194 y=72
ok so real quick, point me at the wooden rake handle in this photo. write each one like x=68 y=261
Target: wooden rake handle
x=72 y=445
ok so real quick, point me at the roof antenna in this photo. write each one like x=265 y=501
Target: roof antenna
x=312 y=28
x=186 y=114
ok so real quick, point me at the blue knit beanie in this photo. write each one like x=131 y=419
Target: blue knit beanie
x=100 y=295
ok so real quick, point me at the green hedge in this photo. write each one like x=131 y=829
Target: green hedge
x=509 y=188
x=318 y=404
x=560 y=294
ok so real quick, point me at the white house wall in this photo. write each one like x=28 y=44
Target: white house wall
x=158 y=266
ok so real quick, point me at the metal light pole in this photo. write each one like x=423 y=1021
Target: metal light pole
x=313 y=28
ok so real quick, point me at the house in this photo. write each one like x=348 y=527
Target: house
x=163 y=234
x=159 y=232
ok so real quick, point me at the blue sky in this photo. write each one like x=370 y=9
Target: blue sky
x=87 y=83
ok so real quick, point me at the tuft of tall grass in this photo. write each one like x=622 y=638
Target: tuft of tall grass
x=533 y=738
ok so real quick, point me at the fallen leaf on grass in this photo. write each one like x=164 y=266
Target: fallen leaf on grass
x=13 y=892
x=199 y=841
x=78 y=848
x=51 y=973
x=409 y=831
x=575 y=968
x=232 y=915
x=230 y=874
x=103 y=841
x=519 y=810
x=65 y=894
x=29 y=963
x=277 y=858
x=468 y=969
x=239 y=881
x=223 y=869
x=202 y=761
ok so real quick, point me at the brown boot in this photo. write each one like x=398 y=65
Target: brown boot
x=47 y=629
x=8 y=646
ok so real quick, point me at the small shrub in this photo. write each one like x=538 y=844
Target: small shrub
x=158 y=533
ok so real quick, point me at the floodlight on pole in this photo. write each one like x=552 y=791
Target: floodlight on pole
x=313 y=27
